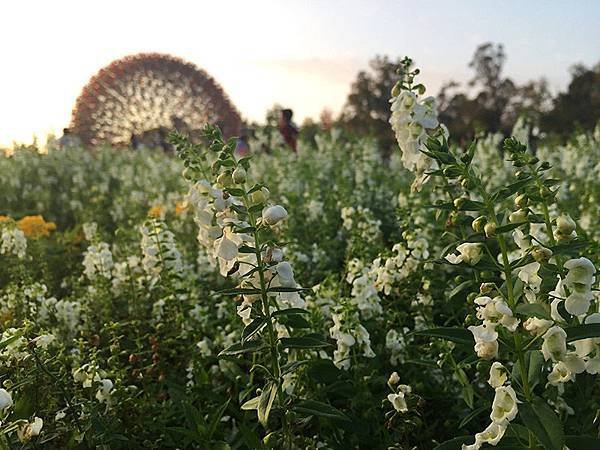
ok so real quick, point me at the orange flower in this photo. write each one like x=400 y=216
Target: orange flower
x=156 y=211
x=5 y=219
x=35 y=226
x=180 y=207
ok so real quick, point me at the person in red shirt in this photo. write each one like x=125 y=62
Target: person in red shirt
x=288 y=129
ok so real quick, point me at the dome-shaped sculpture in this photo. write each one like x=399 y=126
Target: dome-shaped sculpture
x=150 y=92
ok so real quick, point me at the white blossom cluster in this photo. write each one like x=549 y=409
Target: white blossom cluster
x=89 y=375
x=360 y=221
x=12 y=241
x=493 y=312
x=413 y=120
x=349 y=332
x=400 y=391
x=504 y=409
x=98 y=261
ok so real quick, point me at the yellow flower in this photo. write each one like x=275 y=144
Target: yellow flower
x=180 y=207
x=35 y=226
x=156 y=211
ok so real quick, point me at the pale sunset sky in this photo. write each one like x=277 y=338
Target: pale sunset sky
x=300 y=54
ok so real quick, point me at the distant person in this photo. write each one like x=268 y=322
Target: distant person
x=134 y=141
x=242 y=148
x=68 y=139
x=288 y=129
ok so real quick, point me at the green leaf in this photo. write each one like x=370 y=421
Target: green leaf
x=315 y=408
x=240 y=348
x=461 y=287
x=246 y=249
x=304 y=342
x=533 y=310
x=539 y=418
x=238 y=291
x=509 y=227
x=235 y=191
x=294 y=321
x=266 y=403
x=454 y=334
x=291 y=366
x=286 y=289
x=472 y=415
x=589 y=330
x=536 y=361
x=455 y=444
x=253 y=327
x=509 y=190
x=582 y=442
x=471 y=205
x=251 y=404
x=283 y=312
x=6 y=342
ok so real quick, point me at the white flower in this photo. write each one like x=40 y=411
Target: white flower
x=486 y=344
x=398 y=400
x=491 y=435
x=529 y=275
x=497 y=375
x=393 y=379
x=537 y=326
x=581 y=274
x=6 y=400
x=470 y=253
x=30 y=429
x=555 y=344
x=285 y=274
x=103 y=392
x=504 y=406
x=274 y=214
x=560 y=374
x=578 y=303
x=44 y=340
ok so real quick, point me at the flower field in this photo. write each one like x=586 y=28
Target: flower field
x=442 y=298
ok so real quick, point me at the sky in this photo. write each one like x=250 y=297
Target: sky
x=299 y=54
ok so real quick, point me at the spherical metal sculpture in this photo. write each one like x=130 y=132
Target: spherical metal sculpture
x=150 y=92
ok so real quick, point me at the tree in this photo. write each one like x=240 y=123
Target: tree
x=579 y=107
x=367 y=109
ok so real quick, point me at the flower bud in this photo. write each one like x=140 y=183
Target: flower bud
x=225 y=179
x=274 y=214
x=565 y=224
x=490 y=229
x=396 y=90
x=459 y=202
x=260 y=196
x=239 y=175
x=518 y=216
x=486 y=288
x=478 y=224
x=521 y=201
x=541 y=254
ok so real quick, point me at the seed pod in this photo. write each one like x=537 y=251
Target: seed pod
x=521 y=200
x=518 y=216
x=541 y=254
x=239 y=175
x=486 y=288
x=565 y=225
x=225 y=179
x=490 y=229
x=478 y=224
